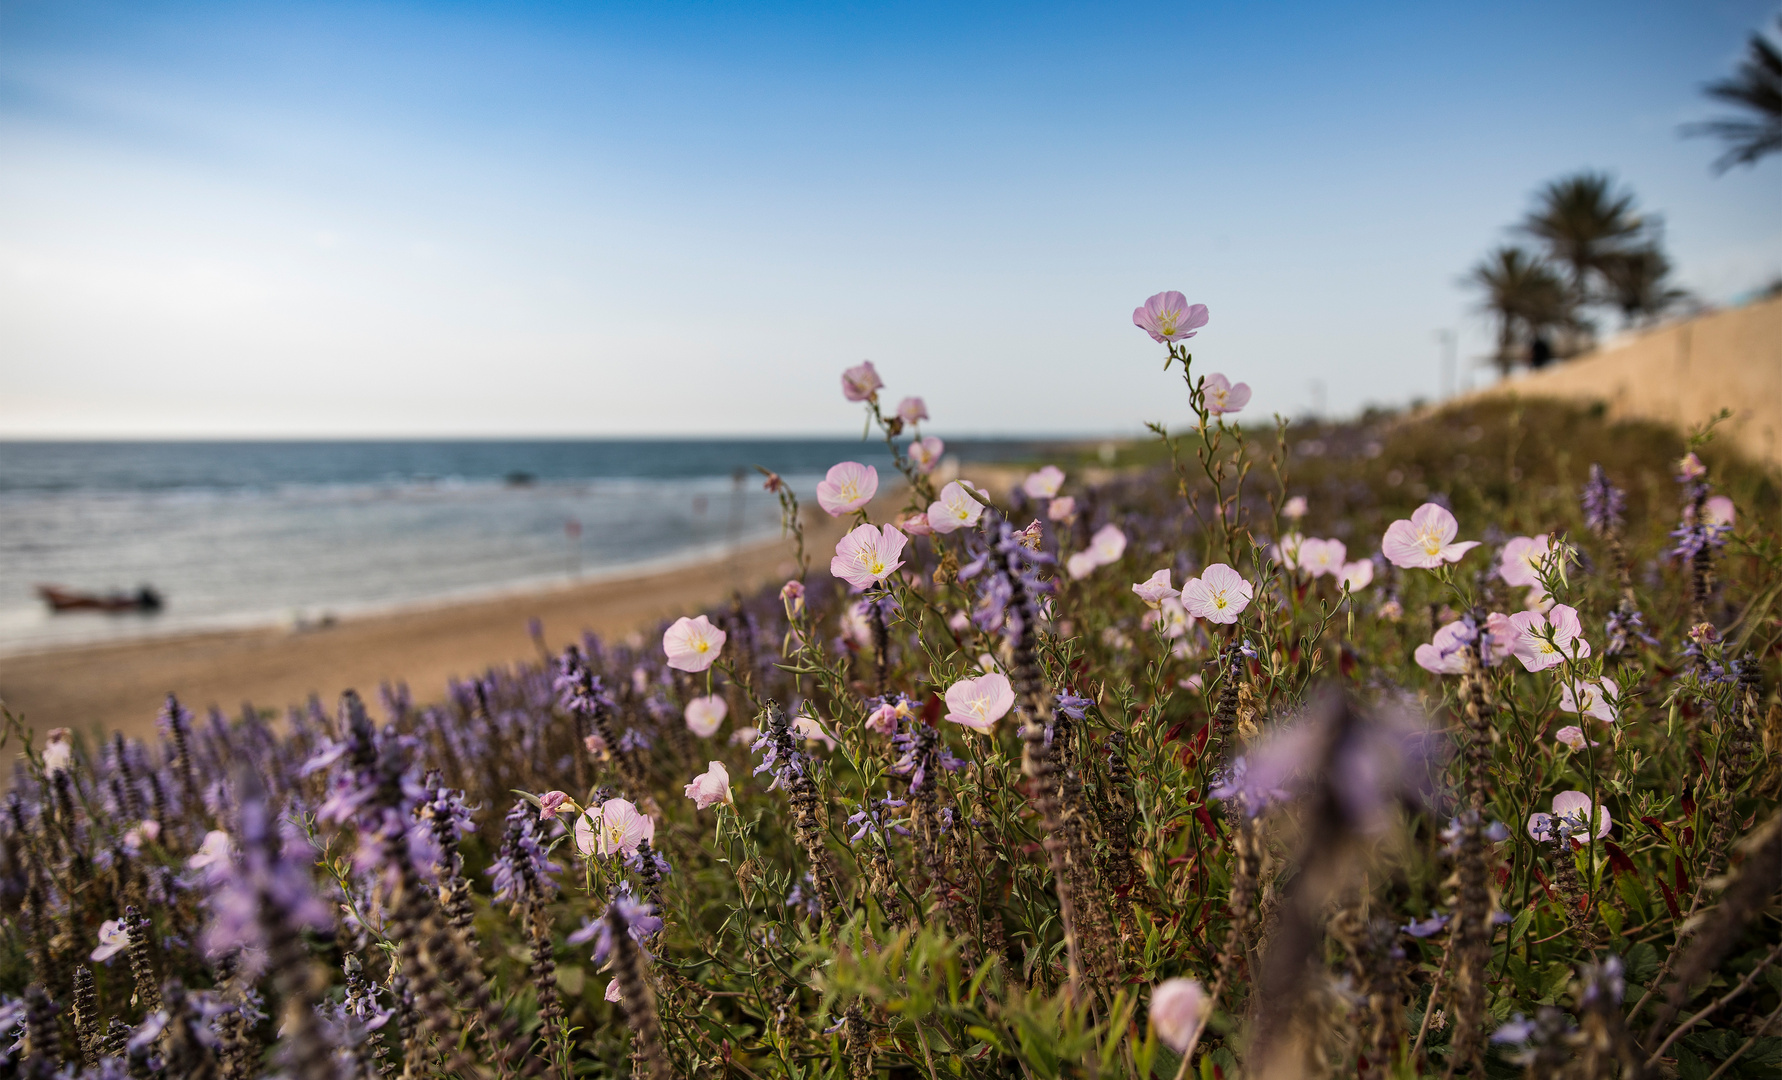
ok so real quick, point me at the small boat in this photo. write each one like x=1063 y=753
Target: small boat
x=60 y=599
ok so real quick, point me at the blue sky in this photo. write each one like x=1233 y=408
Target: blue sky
x=543 y=219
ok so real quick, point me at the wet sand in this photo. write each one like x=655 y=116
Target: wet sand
x=120 y=686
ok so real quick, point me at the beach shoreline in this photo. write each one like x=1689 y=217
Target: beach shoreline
x=120 y=686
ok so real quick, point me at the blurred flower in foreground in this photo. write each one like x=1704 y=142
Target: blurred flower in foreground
x=1168 y=316
x=1320 y=557
x=1177 y=1008
x=1295 y=508
x=925 y=453
x=1108 y=545
x=911 y=410
x=979 y=703
x=114 y=938
x=867 y=556
x=692 y=644
x=1224 y=396
x=1218 y=595
x=1426 y=541
x=1062 y=508
x=955 y=509
x=861 y=382
x=1043 y=483
x=847 y=486
x=705 y=714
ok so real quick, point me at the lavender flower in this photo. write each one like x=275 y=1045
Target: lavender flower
x=522 y=872
x=1603 y=503
x=641 y=922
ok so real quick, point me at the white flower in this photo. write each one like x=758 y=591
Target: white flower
x=705 y=714
x=955 y=509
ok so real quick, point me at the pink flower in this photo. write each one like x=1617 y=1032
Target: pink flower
x=1320 y=557
x=1500 y=638
x=1357 y=575
x=856 y=624
x=1285 y=551
x=792 y=595
x=614 y=827
x=862 y=382
x=114 y=938
x=1691 y=467
x=1597 y=697
x=1571 y=809
x=145 y=832
x=867 y=556
x=1155 y=589
x=1169 y=317
x=1295 y=508
x=1218 y=595
x=705 y=714
x=1107 y=545
x=1446 y=653
x=710 y=787
x=692 y=644
x=1178 y=1006
x=1719 y=511
x=214 y=851
x=58 y=751
x=1043 y=483
x=915 y=524
x=614 y=992
x=979 y=703
x=848 y=486
x=955 y=509
x=1426 y=541
x=1081 y=565
x=1223 y=396
x=1519 y=564
x=551 y=803
x=925 y=453
x=1543 y=641
x=1191 y=683
x=1573 y=736
x=912 y=410
x=1062 y=508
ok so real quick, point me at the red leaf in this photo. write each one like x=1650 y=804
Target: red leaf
x=1682 y=878
x=1618 y=860
x=1206 y=820
x=1655 y=825
x=1669 y=900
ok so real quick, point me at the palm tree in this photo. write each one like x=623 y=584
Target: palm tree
x=1638 y=284
x=1524 y=296
x=1582 y=219
x=1756 y=86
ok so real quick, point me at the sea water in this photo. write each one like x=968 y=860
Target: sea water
x=252 y=533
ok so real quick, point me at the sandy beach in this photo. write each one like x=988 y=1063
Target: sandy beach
x=120 y=686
